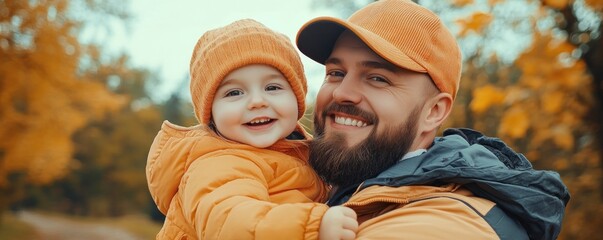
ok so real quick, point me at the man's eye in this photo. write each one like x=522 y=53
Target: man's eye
x=233 y=93
x=335 y=74
x=378 y=79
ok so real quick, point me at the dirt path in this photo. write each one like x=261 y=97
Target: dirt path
x=51 y=228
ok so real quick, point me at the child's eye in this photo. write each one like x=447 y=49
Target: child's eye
x=273 y=87
x=233 y=93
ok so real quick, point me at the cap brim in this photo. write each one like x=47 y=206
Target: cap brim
x=316 y=39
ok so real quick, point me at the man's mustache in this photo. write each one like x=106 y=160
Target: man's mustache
x=350 y=110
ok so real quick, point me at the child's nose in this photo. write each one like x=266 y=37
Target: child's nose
x=257 y=101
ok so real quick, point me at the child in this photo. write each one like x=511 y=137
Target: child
x=243 y=172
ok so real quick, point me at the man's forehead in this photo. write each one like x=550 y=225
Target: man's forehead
x=348 y=42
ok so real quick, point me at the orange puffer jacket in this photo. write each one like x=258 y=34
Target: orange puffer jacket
x=210 y=188
x=421 y=212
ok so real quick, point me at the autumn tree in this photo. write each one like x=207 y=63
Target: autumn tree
x=545 y=102
x=111 y=152
x=45 y=96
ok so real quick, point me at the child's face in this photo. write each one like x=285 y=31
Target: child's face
x=255 y=105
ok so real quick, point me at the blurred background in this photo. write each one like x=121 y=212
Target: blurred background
x=85 y=85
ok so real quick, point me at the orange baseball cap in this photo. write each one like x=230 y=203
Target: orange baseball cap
x=400 y=31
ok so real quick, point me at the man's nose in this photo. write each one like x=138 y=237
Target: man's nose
x=348 y=91
x=256 y=100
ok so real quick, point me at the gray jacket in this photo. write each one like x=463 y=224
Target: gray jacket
x=489 y=169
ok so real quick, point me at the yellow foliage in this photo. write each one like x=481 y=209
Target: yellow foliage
x=557 y=47
x=527 y=66
x=540 y=137
x=532 y=81
x=44 y=99
x=461 y=3
x=494 y=2
x=574 y=76
x=569 y=119
x=533 y=155
x=486 y=96
x=552 y=102
x=515 y=123
x=474 y=23
x=516 y=94
x=563 y=137
x=561 y=164
x=558 y=4
x=589 y=181
x=595 y=4
x=50 y=161
x=538 y=60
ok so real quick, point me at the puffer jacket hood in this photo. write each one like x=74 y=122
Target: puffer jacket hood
x=489 y=169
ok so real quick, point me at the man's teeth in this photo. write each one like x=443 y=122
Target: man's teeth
x=257 y=121
x=349 y=122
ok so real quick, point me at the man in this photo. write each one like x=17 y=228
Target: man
x=392 y=74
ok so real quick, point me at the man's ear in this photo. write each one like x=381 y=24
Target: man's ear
x=437 y=110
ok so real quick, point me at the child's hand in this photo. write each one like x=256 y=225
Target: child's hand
x=338 y=223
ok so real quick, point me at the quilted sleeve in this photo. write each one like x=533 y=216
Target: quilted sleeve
x=225 y=196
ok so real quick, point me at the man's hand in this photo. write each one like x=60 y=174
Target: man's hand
x=338 y=223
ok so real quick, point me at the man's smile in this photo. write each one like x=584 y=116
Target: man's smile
x=348 y=121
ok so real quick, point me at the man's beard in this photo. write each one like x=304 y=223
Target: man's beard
x=343 y=166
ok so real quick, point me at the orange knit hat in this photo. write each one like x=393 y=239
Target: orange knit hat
x=221 y=51
x=400 y=31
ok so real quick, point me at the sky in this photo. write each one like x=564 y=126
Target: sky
x=161 y=34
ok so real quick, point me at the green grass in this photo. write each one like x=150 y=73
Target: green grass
x=13 y=228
